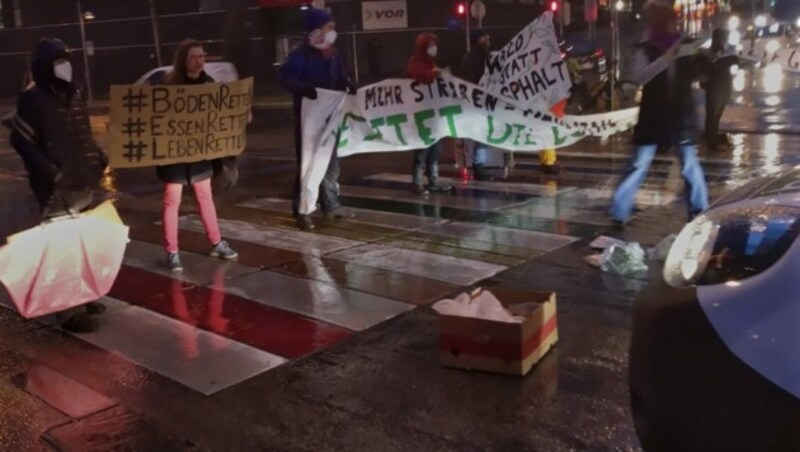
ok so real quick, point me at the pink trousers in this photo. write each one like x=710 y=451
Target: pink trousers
x=205 y=205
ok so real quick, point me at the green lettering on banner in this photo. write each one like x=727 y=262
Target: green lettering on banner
x=397 y=121
x=449 y=113
x=519 y=128
x=492 y=140
x=376 y=133
x=558 y=140
x=342 y=128
x=424 y=132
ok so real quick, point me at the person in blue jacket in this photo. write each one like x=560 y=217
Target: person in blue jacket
x=316 y=64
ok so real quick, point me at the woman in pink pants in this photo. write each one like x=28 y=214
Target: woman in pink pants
x=188 y=70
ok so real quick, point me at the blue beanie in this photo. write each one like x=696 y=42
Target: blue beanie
x=316 y=18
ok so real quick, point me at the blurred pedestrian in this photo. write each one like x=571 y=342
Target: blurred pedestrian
x=51 y=132
x=666 y=116
x=422 y=69
x=719 y=86
x=189 y=69
x=316 y=64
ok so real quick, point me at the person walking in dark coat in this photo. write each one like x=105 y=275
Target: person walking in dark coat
x=719 y=87
x=473 y=66
x=422 y=69
x=666 y=115
x=188 y=69
x=315 y=64
x=50 y=131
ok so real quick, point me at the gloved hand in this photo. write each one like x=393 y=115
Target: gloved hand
x=351 y=88
x=310 y=93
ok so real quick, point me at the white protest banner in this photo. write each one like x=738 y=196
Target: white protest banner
x=787 y=57
x=529 y=68
x=165 y=124
x=398 y=115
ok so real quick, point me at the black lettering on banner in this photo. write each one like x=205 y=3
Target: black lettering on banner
x=442 y=86
x=161 y=102
x=793 y=62
x=418 y=94
x=134 y=100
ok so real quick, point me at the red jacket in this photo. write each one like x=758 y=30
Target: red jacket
x=421 y=66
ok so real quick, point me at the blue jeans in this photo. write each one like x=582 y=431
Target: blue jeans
x=692 y=172
x=478 y=154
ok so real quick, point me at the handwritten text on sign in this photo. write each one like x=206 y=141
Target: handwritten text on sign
x=162 y=125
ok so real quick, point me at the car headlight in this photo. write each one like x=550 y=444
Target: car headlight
x=731 y=243
x=690 y=252
x=734 y=69
x=734 y=38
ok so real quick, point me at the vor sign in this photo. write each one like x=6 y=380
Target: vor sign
x=161 y=125
x=384 y=15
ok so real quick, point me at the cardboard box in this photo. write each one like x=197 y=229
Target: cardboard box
x=506 y=348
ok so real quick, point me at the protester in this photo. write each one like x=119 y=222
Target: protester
x=719 y=87
x=422 y=68
x=473 y=66
x=188 y=69
x=666 y=116
x=316 y=64
x=52 y=135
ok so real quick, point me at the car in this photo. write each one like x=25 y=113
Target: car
x=220 y=71
x=715 y=347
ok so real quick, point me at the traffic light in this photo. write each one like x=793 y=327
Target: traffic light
x=461 y=9
x=554 y=6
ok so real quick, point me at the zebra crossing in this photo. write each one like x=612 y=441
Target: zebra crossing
x=293 y=293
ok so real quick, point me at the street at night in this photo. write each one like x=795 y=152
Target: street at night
x=322 y=336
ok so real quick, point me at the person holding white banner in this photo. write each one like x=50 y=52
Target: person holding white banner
x=315 y=64
x=422 y=69
x=666 y=115
x=473 y=66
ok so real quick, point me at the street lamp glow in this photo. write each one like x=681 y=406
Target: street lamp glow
x=620 y=5
x=761 y=21
x=773 y=77
x=733 y=23
x=734 y=38
x=772 y=46
x=798 y=22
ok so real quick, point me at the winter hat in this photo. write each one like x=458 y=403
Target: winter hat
x=46 y=52
x=316 y=18
x=476 y=34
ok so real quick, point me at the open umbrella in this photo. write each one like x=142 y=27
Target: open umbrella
x=65 y=262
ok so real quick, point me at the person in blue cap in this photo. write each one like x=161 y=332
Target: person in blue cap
x=316 y=64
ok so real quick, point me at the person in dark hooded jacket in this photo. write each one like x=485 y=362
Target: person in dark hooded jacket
x=315 y=64
x=473 y=66
x=422 y=69
x=50 y=131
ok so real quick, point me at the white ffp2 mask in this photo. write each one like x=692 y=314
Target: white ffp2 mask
x=330 y=37
x=432 y=51
x=63 y=71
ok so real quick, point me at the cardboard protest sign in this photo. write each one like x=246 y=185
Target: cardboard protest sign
x=166 y=124
x=397 y=115
x=529 y=68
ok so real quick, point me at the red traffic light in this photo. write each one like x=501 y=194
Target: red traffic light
x=554 y=6
x=461 y=9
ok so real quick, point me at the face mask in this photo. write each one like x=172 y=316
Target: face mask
x=63 y=71
x=330 y=37
x=432 y=51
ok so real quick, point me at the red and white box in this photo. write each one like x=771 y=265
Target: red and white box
x=501 y=347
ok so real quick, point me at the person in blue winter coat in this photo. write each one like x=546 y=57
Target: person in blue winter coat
x=316 y=64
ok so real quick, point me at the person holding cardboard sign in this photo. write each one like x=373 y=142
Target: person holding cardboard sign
x=316 y=64
x=188 y=69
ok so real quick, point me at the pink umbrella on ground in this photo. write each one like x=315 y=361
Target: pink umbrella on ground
x=64 y=263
